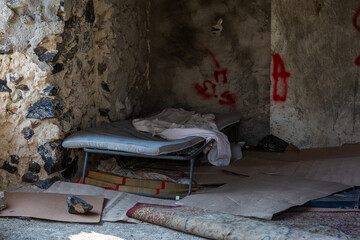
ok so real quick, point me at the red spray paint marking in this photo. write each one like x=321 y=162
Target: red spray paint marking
x=357 y=61
x=222 y=73
x=356 y=25
x=283 y=75
x=230 y=99
x=208 y=88
x=203 y=90
x=355 y=19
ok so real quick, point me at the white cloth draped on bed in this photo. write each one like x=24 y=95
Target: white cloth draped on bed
x=173 y=124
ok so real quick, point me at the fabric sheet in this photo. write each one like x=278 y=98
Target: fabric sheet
x=175 y=124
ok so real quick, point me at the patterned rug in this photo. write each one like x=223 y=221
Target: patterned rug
x=333 y=222
x=215 y=225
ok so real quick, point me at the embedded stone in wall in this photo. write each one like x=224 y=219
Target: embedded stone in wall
x=102 y=68
x=89 y=12
x=45 y=55
x=104 y=112
x=14 y=78
x=57 y=67
x=14 y=159
x=54 y=156
x=7 y=167
x=105 y=87
x=34 y=167
x=4 y=87
x=23 y=87
x=45 y=108
x=45 y=184
x=50 y=91
x=28 y=133
x=30 y=177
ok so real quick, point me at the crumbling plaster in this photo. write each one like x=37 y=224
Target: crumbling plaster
x=322 y=107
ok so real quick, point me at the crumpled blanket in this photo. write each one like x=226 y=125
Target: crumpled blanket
x=173 y=124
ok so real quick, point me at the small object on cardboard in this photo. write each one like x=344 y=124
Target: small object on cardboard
x=77 y=205
x=2 y=201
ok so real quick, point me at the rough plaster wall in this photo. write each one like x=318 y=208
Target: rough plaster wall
x=63 y=67
x=323 y=99
x=23 y=26
x=182 y=45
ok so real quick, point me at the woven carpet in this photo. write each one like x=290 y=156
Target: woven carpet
x=215 y=225
x=333 y=222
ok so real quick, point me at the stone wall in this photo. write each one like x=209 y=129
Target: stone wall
x=65 y=66
x=318 y=45
x=212 y=56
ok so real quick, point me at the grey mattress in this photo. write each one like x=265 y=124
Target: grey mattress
x=122 y=136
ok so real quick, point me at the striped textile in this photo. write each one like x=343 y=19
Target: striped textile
x=134 y=189
x=110 y=178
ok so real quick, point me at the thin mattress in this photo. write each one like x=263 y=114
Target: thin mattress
x=122 y=136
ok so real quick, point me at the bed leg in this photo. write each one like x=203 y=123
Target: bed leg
x=84 y=169
x=192 y=161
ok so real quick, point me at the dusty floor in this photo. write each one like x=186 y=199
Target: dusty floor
x=31 y=229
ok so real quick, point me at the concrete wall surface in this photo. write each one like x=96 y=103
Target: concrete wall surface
x=212 y=56
x=314 y=49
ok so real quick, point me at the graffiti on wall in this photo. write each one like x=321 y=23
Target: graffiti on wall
x=280 y=76
x=208 y=88
x=357 y=27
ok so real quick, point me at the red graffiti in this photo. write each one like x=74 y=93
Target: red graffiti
x=357 y=61
x=357 y=26
x=208 y=88
x=203 y=90
x=230 y=99
x=355 y=20
x=279 y=72
x=222 y=73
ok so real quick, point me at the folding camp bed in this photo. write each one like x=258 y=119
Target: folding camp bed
x=121 y=138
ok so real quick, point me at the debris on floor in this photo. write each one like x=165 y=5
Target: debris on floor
x=2 y=201
x=77 y=205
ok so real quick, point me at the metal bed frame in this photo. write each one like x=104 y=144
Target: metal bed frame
x=191 y=158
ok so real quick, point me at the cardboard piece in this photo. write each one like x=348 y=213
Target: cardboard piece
x=255 y=166
x=325 y=164
x=50 y=206
x=339 y=170
x=211 y=175
x=262 y=196
x=116 y=203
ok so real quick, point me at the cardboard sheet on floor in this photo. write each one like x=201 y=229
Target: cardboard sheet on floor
x=340 y=170
x=50 y=206
x=255 y=166
x=116 y=203
x=313 y=164
x=262 y=196
x=210 y=175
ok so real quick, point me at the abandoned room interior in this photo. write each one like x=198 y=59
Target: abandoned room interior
x=187 y=119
